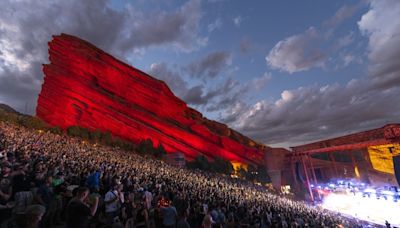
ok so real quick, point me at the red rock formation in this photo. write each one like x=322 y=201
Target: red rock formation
x=87 y=87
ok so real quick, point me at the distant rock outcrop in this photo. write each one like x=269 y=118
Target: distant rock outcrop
x=7 y=108
x=84 y=86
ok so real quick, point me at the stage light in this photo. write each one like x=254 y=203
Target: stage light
x=386 y=192
x=368 y=209
x=370 y=190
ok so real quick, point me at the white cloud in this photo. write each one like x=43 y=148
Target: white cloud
x=298 y=115
x=237 y=20
x=348 y=59
x=210 y=65
x=345 y=40
x=310 y=48
x=382 y=29
x=316 y=112
x=297 y=53
x=217 y=24
x=260 y=82
x=342 y=14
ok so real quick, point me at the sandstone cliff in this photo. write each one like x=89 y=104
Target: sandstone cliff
x=87 y=87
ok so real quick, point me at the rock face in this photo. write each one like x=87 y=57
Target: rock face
x=84 y=86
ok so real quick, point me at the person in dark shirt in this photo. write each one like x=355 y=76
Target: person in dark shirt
x=21 y=181
x=78 y=212
x=183 y=213
x=142 y=216
x=45 y=192
x=128 y=206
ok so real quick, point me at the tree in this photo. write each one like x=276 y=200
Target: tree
x=145 y=146
x=159 y=152
x=56 y=130
x=221 y=165
x=203 y=163
x=96 y=135
x=74 y=131
x=200 y=162
x=262 y=175
x=251 y=173
x=32 y=123
x=106 y=138
x=257 y=173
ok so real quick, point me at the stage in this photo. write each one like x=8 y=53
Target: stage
x=368 y=209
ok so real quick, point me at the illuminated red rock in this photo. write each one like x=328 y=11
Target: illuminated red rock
x=84 y=86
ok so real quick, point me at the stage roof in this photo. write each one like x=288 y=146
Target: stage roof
x=387 y=134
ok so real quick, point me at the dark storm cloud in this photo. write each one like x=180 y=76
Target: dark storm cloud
x=216 y=98
x=311 y=113
x=191 y=95
x=210 y=65
x=27 y=26
x=179 y=28
x=232 y=92
x=194 y=95
x=223 y=95
x=19 y=88
x=172 y=78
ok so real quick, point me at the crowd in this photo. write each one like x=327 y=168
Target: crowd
x=50 y=180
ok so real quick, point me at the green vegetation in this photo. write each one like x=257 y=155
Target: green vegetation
x=7 y=114
x=159 y=152
x=97 y=136
x=219 y=165
x=257 y=173
x=146 y=147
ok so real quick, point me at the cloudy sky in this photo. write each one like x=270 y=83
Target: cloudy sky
x=282 y=72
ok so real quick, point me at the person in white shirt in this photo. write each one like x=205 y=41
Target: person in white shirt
x=113 y=201
x=148 y=197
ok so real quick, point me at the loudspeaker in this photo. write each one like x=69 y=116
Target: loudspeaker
x=396 y=164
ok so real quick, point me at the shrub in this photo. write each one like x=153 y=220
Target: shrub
x=159 y=152
x=219 y=165
x=145 y=147
x=78 y=131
